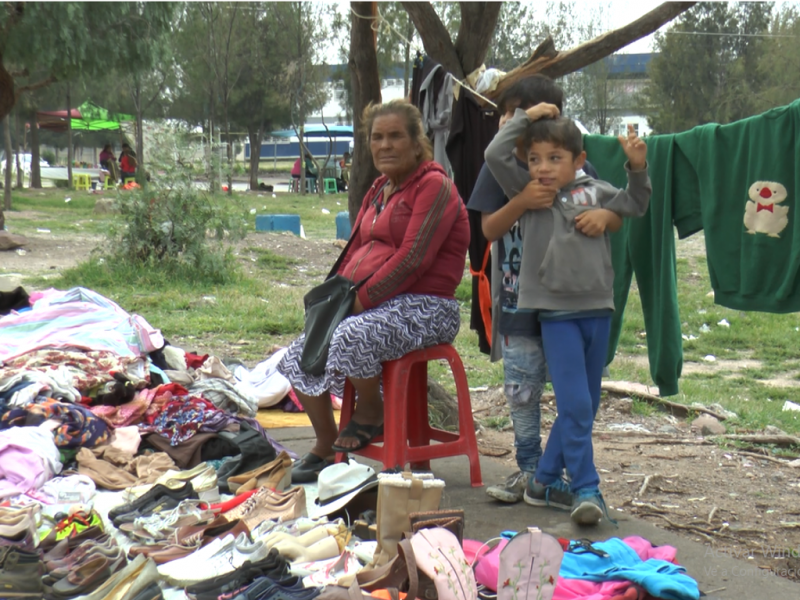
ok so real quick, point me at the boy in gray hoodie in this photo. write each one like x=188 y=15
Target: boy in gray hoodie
x=566 y=276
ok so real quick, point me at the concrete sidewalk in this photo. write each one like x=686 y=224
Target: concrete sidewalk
x=712 y=568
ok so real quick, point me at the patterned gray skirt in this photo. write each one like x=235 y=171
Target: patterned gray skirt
x=362 y=342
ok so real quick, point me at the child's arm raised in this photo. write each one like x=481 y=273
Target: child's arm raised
x=501 y=159
x=633 y=200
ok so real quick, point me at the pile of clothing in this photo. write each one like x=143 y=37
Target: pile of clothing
x=133 y=470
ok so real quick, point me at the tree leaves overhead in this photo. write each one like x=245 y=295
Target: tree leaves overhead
x=707 y=67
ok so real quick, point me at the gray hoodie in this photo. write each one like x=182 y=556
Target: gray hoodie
x=563 y=269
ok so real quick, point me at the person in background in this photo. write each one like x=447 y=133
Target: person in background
x=344 y=164
x=107 y=157
x=127 y=162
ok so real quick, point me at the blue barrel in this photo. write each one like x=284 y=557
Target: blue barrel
x=343 y=225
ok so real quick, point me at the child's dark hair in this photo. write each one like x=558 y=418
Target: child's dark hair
x=561 y=132
x=531 y=91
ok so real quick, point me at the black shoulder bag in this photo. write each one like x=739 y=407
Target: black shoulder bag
x=326 y=306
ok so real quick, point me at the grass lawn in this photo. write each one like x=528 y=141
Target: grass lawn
x=755 y=371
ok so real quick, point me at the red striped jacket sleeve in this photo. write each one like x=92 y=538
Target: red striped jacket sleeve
x=435 y=209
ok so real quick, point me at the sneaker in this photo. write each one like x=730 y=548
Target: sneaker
x=241 y=551
x=589 y=508
x=512 y=490
x=556 y=494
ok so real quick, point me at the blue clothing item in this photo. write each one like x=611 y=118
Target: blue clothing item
x=659 y=578
x=525 y=371
x=575 y=351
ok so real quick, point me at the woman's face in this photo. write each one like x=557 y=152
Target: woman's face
x=393 y=152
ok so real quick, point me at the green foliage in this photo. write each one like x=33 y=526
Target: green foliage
x=67 y=39
x=172 y=226
x=706 y=68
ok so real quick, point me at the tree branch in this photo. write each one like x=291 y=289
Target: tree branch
x=35 y=86
x=562 y=63
x=22 y=73
x=435 y=37
x=478 y=22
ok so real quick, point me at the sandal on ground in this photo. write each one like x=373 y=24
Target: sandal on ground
x=307 y=468
x=363 y=433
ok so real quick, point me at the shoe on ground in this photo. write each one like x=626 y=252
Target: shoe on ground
x=20 y=574
x=222 y=563
x=589 y=507
x=157 y=491
x=554 y=495
x=512 y=490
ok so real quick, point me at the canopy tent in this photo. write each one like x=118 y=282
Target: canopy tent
x=87 y=117
x=317 y=131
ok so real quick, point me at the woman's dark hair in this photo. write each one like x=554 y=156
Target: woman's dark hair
x=531 y=91
x=107 y=147
x=561 y=132
x=412 y=117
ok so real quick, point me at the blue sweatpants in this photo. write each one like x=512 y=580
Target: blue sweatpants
x=575 y=350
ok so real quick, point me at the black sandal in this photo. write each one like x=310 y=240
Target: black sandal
x=363 y=433
x=307 y=468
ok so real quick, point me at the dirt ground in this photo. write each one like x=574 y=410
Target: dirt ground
x=654 y=467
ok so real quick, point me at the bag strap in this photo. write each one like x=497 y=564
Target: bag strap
x=404 y=548
x=339 y=260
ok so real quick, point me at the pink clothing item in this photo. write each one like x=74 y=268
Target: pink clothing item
x=21 y=469
x=578 y=589
x=296 y=168
x=130 y=413
x=127 y=439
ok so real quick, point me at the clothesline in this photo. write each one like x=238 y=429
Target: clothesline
x=376 y=26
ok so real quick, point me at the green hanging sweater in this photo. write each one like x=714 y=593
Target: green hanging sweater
x=748 y=177
x=740 y=183
x=646 y=247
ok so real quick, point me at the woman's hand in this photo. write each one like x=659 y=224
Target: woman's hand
x=358 y=308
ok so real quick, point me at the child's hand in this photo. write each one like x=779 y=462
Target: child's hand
x=536 y=196
x=543 y=110
x=635 y=149
x=592 y=223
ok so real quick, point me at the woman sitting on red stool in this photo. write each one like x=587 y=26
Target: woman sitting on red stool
x=411 y=238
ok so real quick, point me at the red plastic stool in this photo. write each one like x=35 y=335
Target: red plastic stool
x=407 y=432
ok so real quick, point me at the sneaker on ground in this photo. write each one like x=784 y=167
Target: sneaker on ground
x=589 y=507
x=512 y=490
x=555 y=494
x=219 y=564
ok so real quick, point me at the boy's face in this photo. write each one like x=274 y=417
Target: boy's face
x=552 y=165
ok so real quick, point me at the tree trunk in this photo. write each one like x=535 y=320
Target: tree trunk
x=36 y=173
x=228 y=146
x=366 y=86
x=9 y=164
x=255 y=135
x=69 y=139
x=17 y=137
x=139 y=142
x=7 y=94
x=407 y=64
x=302 y=145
